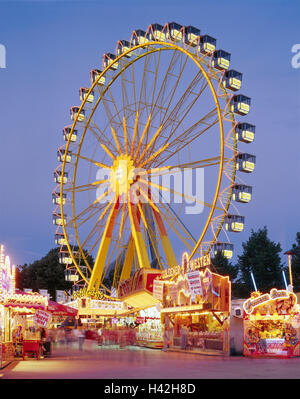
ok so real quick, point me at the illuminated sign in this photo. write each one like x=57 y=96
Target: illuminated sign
x=188 y=266
x=84 y=292
x=285 y=301
x=7 y=274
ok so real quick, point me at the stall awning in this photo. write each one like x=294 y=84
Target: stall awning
x=23 y=302
x=58 y=309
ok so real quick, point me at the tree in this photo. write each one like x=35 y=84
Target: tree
x=261 y=256
x=222 y=266
x=45 y=273
x=296 y=263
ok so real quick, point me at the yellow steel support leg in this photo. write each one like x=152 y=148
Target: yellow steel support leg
x=137 y=236
x=127 y=266
x=98 y=268
x=170 y=256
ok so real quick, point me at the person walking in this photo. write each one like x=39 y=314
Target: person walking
x=81 y=338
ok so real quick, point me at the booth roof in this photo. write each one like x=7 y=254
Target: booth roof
x=58 y=309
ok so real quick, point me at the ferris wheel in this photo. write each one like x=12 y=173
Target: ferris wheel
x=150 y=166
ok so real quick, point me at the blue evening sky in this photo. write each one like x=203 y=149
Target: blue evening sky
x=51 y=47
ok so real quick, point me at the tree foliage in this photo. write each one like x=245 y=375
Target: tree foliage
x=296 y=263
x=261 y=256
x=222 y=266
x=45 y=273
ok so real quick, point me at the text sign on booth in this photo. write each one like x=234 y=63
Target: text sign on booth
x=42 y=318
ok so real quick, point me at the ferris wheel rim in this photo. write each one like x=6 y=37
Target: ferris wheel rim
x=220 y=119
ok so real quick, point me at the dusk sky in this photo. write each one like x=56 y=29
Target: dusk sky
x=52 y=45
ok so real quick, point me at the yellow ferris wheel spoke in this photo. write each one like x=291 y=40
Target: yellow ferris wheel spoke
x=96 y=163
x=153 y=156
x=175 y=220
x=91 y=207
x=187 y=137
x=134 y=133
x=107 y=151
x=125 y=135
x=116 y=139
x=164 y=123
x=85 y=187
x=102 y=139
x=96 y=225
x=143 y=136
x=187 y=197
x=99 y=219
x=172 y=92
x=172 y=226
x=149 y=144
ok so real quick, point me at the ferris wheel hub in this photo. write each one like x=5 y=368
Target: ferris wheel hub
x=122 y=174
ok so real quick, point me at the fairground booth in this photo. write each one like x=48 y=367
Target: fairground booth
x=195 y=307
x=143 y=307
x=23 y=315
x=134 y=317
x=271 y=324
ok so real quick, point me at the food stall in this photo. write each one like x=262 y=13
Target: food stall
x=271 y=324
x=195 y=307
x=23 y=329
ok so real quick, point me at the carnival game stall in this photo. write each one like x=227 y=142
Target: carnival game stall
x=271 y=324
x=195 y=307
x=149 y=328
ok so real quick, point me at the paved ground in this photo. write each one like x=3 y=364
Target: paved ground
x=98 y=363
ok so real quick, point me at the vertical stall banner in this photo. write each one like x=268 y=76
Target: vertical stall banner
x=158 y=289
x=195 y=284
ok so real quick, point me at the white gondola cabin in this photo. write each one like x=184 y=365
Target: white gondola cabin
x=58 y=177
x=83 y=94
x=71 y=275
x=122 y=47
x=174 y=32
x=240 y=104
x=66 y=133
x=108 y=61
x=138 y=37
x=245 y=132
x=74 y=111
x=65 y=259
x=57 y=200
x=232 y=80
x=221 y=60
x=94 y=75
x=155 y=32
x=60 y=239
x=207 y=44
x=245 y=162
x=225 y=248
x=191 y=35
x=63 y=155
x=57 y=219
x=242 y=193
x=234 y=223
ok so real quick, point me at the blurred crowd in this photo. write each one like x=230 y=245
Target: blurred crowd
x=121 y=337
